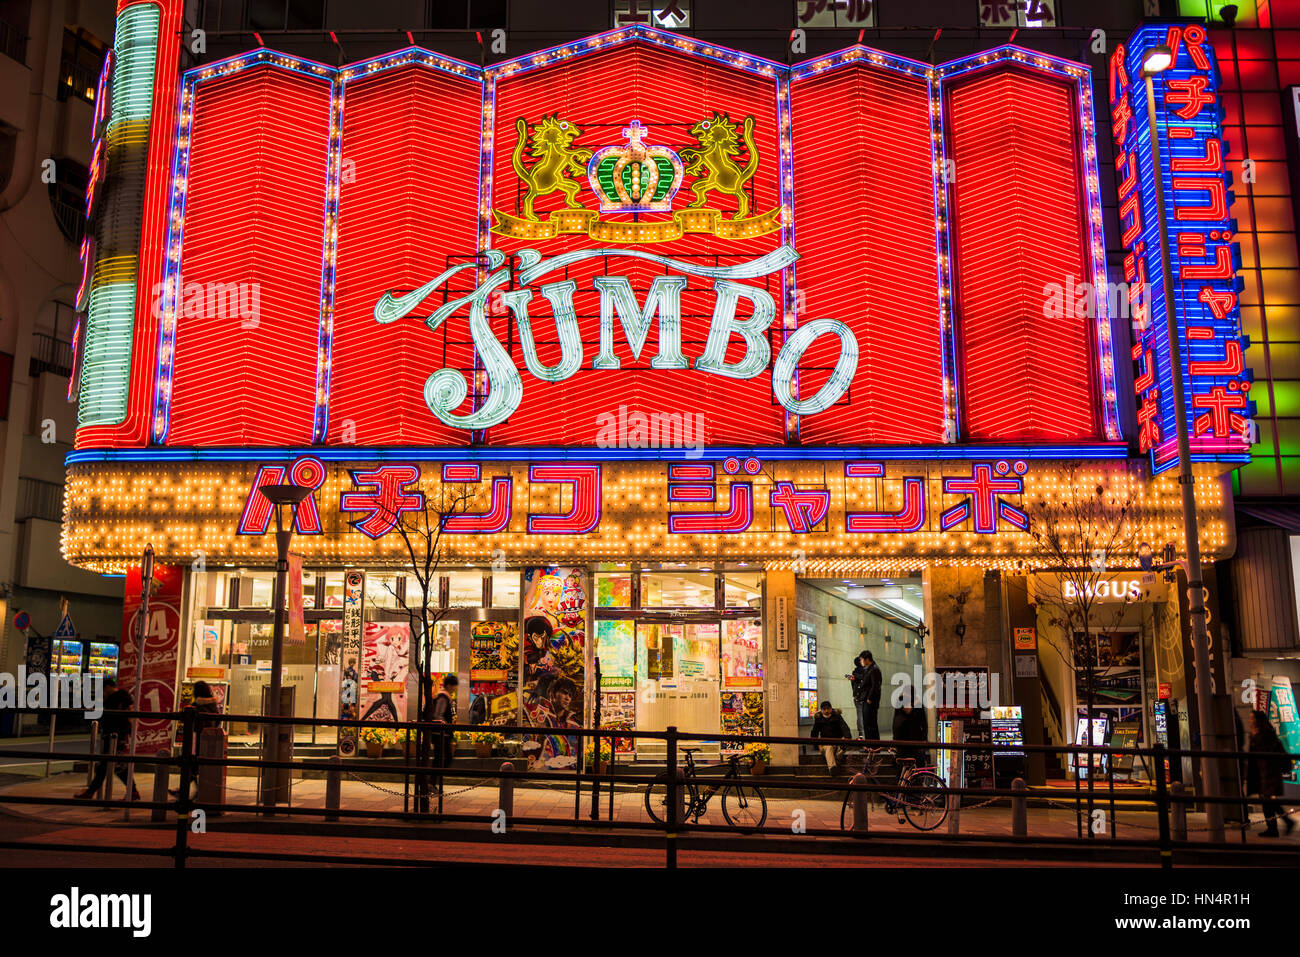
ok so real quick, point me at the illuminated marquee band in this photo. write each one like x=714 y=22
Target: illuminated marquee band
x=880 y=514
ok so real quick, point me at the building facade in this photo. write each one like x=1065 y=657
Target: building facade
x=50 y=57
x=694 y=358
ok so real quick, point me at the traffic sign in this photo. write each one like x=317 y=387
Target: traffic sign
x=22 y=621
x=65 y=629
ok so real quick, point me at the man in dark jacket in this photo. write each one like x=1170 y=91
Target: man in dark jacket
x=1268 y=763
x=857 y=681
x=118 y=699
x=830 y=724
x=910 y=724
x=871 y=682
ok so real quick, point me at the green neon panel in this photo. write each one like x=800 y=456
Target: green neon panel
x=110 y=324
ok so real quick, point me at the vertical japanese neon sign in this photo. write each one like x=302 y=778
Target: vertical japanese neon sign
x=1204 y=260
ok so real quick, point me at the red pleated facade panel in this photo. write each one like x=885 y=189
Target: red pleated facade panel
x=1018 y=232
x=865 y=232
x=668 y=92
x=407 y=211
x=254 y=217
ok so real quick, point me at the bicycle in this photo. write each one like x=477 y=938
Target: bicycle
x=743 y=805
x=924 y=810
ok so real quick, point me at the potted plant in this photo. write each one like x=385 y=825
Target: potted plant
x=375 y=739
x=759 y=755
x=484 y=741
x=596 y=762
x=405 y=738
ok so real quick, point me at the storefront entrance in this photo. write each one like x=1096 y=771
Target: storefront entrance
x=680 y=649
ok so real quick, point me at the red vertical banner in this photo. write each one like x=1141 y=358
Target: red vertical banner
x=297 y=623
x=162 y=641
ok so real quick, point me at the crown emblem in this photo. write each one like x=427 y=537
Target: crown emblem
x=635 y=177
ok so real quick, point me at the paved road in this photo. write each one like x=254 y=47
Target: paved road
x=387 y=851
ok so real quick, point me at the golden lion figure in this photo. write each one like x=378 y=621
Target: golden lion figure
x=718 y=147
x=552 y=148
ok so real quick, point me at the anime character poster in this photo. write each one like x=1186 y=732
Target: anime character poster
x=385 y=657
x=554 y=660
x=742 y=713
x=493 y=672
x=349 y=656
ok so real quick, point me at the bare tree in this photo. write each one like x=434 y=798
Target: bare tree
x=1082 y=533
x=421 y=531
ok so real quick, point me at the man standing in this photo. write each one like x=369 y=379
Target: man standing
x=871 y=683
x=857 y=681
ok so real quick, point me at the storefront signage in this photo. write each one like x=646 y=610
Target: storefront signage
x=1107 y=589
x=1026 y=639
x=446 y=389
x=897 y=514
x=1203 y=256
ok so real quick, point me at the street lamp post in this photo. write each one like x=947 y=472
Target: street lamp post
x=280 y=497
x=1157 y=60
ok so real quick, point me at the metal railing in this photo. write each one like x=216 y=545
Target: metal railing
x=50 y=355
x=1144 y=825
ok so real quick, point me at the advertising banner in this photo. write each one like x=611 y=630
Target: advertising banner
x=157 y=666
x=1282 y=713
x=554 y=657
x=385 y=664
x=354 y=591
x=493 y=672
x=297 y=632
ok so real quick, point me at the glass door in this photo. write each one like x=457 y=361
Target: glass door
x=677 y=681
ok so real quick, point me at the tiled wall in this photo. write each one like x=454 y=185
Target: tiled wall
x=1257 y=66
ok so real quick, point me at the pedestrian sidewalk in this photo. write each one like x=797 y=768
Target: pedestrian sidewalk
x=820 y=810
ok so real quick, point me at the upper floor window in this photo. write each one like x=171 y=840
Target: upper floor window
x=80 y=65
x=14 y=15
x=466 y=14
x=285 y=15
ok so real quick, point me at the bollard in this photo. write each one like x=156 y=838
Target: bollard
x=106 y=789
x=1178 y=811
x=94 y=747
x=1019 y=813
x=861 y=800
x=956 y=772
x=333 y=786
x=506 y=797
x=161 y=778
x=212 y=777
x=50 y=750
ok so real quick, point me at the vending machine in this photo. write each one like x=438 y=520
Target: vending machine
x=65 y=657
x=1008 y=745
x=103 y=659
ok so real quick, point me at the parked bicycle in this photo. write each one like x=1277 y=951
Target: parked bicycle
x=924 y=809
x=743 y=805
